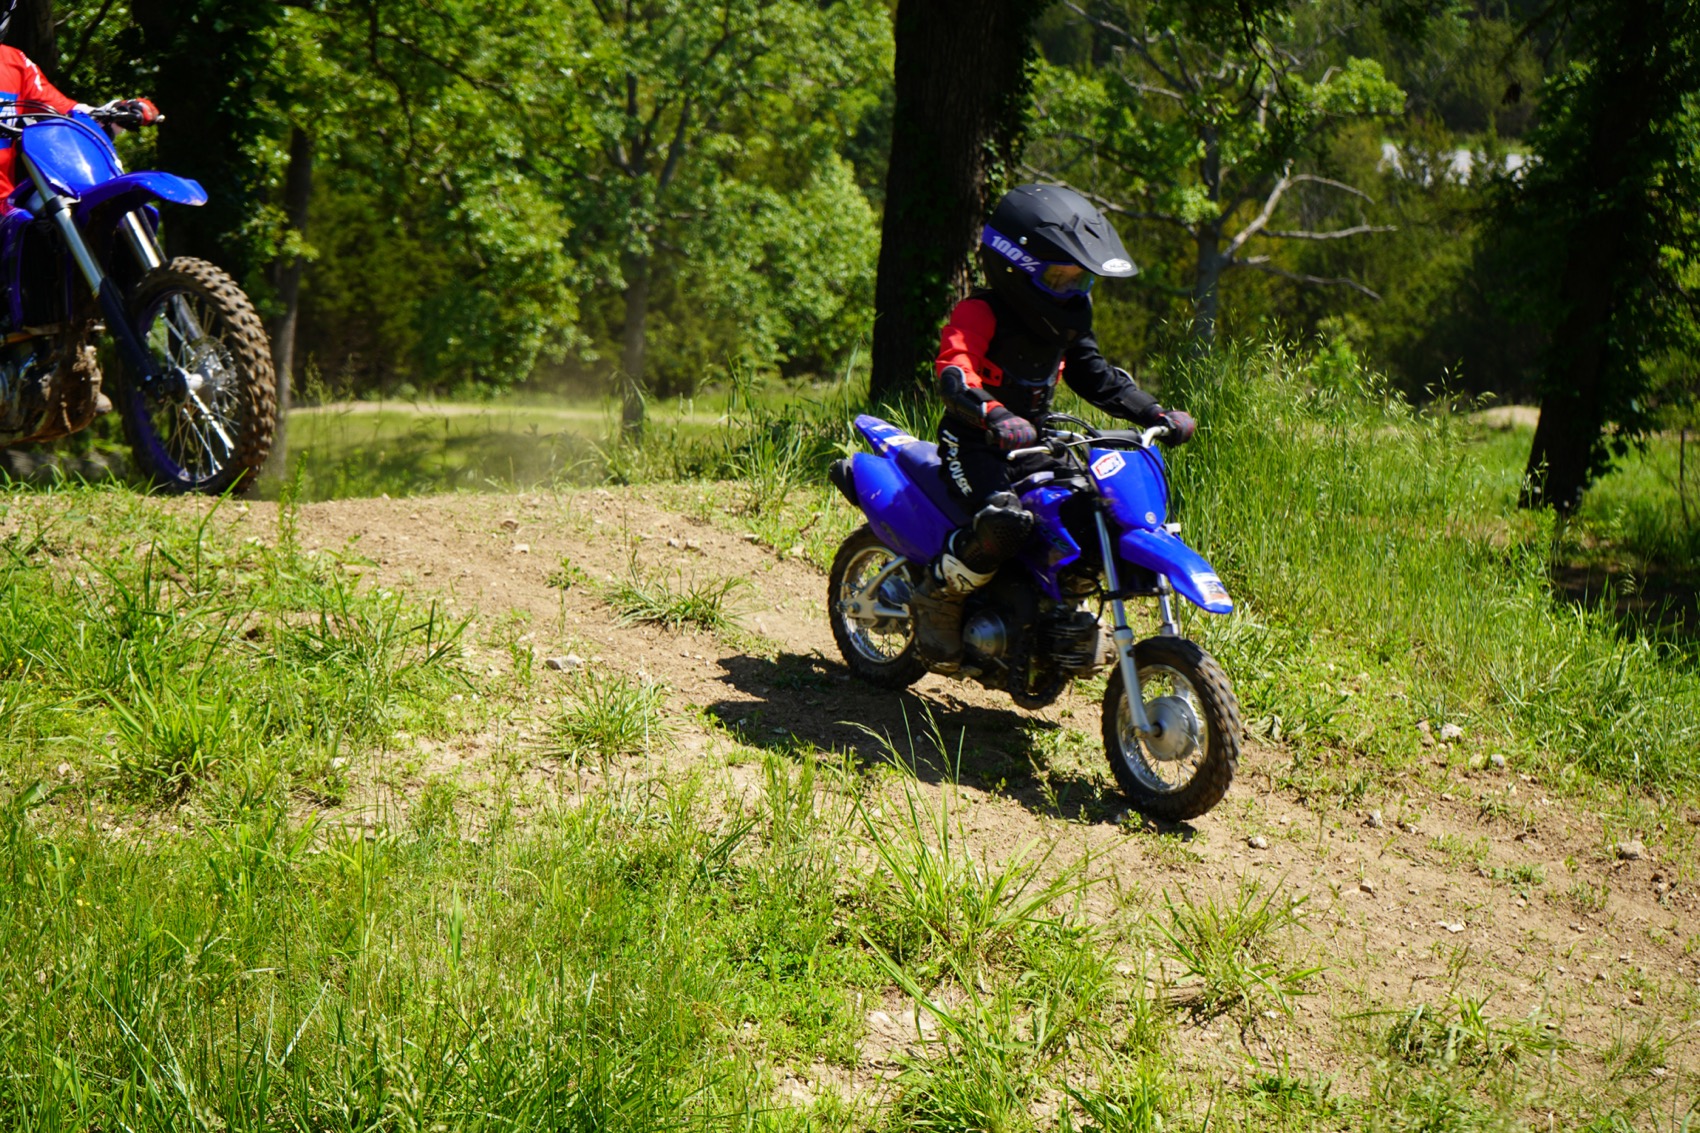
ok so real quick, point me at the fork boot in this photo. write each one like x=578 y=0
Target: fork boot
x=937 y=606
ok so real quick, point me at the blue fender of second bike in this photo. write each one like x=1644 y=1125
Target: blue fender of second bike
x=133 y=188
x=1189 y=573
x=899 y=512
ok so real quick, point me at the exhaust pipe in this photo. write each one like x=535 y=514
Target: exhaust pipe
x=843 y=478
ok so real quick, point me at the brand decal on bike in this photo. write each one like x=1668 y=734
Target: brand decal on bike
x=1210 y=586
x=1108 y=465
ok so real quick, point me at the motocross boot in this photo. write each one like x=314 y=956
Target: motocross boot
x=937 y=606
x=971 y=557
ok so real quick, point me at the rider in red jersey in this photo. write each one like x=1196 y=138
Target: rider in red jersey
x=23 y=85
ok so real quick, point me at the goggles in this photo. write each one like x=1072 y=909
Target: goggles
x=1064 y=280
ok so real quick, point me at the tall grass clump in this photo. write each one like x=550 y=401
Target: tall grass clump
x=625 y=964
x=1385 y=575
x=149 y=654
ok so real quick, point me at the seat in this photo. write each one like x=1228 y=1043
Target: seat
x=920 y=462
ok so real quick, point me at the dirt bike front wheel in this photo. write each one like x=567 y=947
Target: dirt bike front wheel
x=1186 y=769
x=870 y=614
x=205 y=424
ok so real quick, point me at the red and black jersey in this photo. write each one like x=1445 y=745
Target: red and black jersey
x=22 y=81
x=988 y=357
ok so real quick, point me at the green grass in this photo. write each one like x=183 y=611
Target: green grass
x=1385 y=576
x=610 y=715
x=220 y=908
x=674 y=602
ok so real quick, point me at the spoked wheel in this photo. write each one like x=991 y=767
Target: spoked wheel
x=870 y=613
x=205 y=424
x=1186 y=768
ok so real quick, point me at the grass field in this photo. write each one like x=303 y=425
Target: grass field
x=244 y=887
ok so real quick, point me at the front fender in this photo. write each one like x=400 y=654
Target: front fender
x=133 y=189
x=1190 y=575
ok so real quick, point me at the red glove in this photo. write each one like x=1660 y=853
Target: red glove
x=129 y=113
x=144 y=109
x=1009 y=432
x=1181 y=426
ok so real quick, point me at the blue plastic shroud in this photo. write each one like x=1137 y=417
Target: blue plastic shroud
x=902 y=490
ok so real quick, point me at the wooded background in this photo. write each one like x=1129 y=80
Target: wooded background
x=1494 y=196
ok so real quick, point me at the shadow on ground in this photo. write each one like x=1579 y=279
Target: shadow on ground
x=799 y=697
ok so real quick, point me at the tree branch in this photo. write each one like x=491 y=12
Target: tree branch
x=1335 y=234
x=1105 y=203
x=1258 y=263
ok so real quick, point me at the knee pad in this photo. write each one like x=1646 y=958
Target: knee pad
x=997 y=531
x=1003 y=525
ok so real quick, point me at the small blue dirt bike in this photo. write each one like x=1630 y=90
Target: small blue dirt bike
x=1171 y=725
x=79 y=253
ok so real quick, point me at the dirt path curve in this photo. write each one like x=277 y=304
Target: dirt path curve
x=1397 y=914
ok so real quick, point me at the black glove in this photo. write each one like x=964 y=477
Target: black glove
x=1009 y=432
x=1181 y=426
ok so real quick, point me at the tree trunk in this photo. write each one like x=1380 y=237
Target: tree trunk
x=1569 y=443
x=32 y=33
x=637 y=271
x=286 y=278
x=961 y=109
x=1206 y=298
x=1568 y=436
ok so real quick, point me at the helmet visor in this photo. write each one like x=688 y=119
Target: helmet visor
x=1064 y=280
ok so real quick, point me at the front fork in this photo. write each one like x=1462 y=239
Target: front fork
x=1123 y=633
x=136 y=356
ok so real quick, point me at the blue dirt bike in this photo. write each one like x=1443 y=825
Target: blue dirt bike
x=1171 y=725
x=79 y=255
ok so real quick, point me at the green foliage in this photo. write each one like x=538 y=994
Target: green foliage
x=1196 y=121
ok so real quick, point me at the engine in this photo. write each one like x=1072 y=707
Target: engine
x=1004 y=622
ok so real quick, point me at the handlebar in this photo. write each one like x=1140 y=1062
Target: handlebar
x=1144 y=438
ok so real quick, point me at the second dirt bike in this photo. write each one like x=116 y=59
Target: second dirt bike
x=79 y=253
x=1171 y=724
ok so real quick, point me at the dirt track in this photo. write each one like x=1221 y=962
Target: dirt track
x=1395 y=918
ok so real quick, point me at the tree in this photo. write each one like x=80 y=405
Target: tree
x=203 y=61
x=437 y=258
x=1608 y=220
x=669 y=91
x=1201 y=118
x=963 y=85
x=33 y=33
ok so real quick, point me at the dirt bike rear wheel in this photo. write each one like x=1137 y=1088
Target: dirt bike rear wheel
x=206 y=424
x=879 y=651
x=1185 y=772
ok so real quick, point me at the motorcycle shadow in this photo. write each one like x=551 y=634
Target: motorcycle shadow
x=802 y=699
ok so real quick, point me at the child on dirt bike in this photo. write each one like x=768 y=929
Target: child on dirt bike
x=999 y=359
x=23 y=86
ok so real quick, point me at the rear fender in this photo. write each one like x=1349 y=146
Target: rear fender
x=1188 y=572
x=898 y=511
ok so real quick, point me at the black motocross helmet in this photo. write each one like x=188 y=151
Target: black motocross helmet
x=1042 y=249
x=7 y=7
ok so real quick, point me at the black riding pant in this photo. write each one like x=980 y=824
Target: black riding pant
x=976 y=471
x=981 y=477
